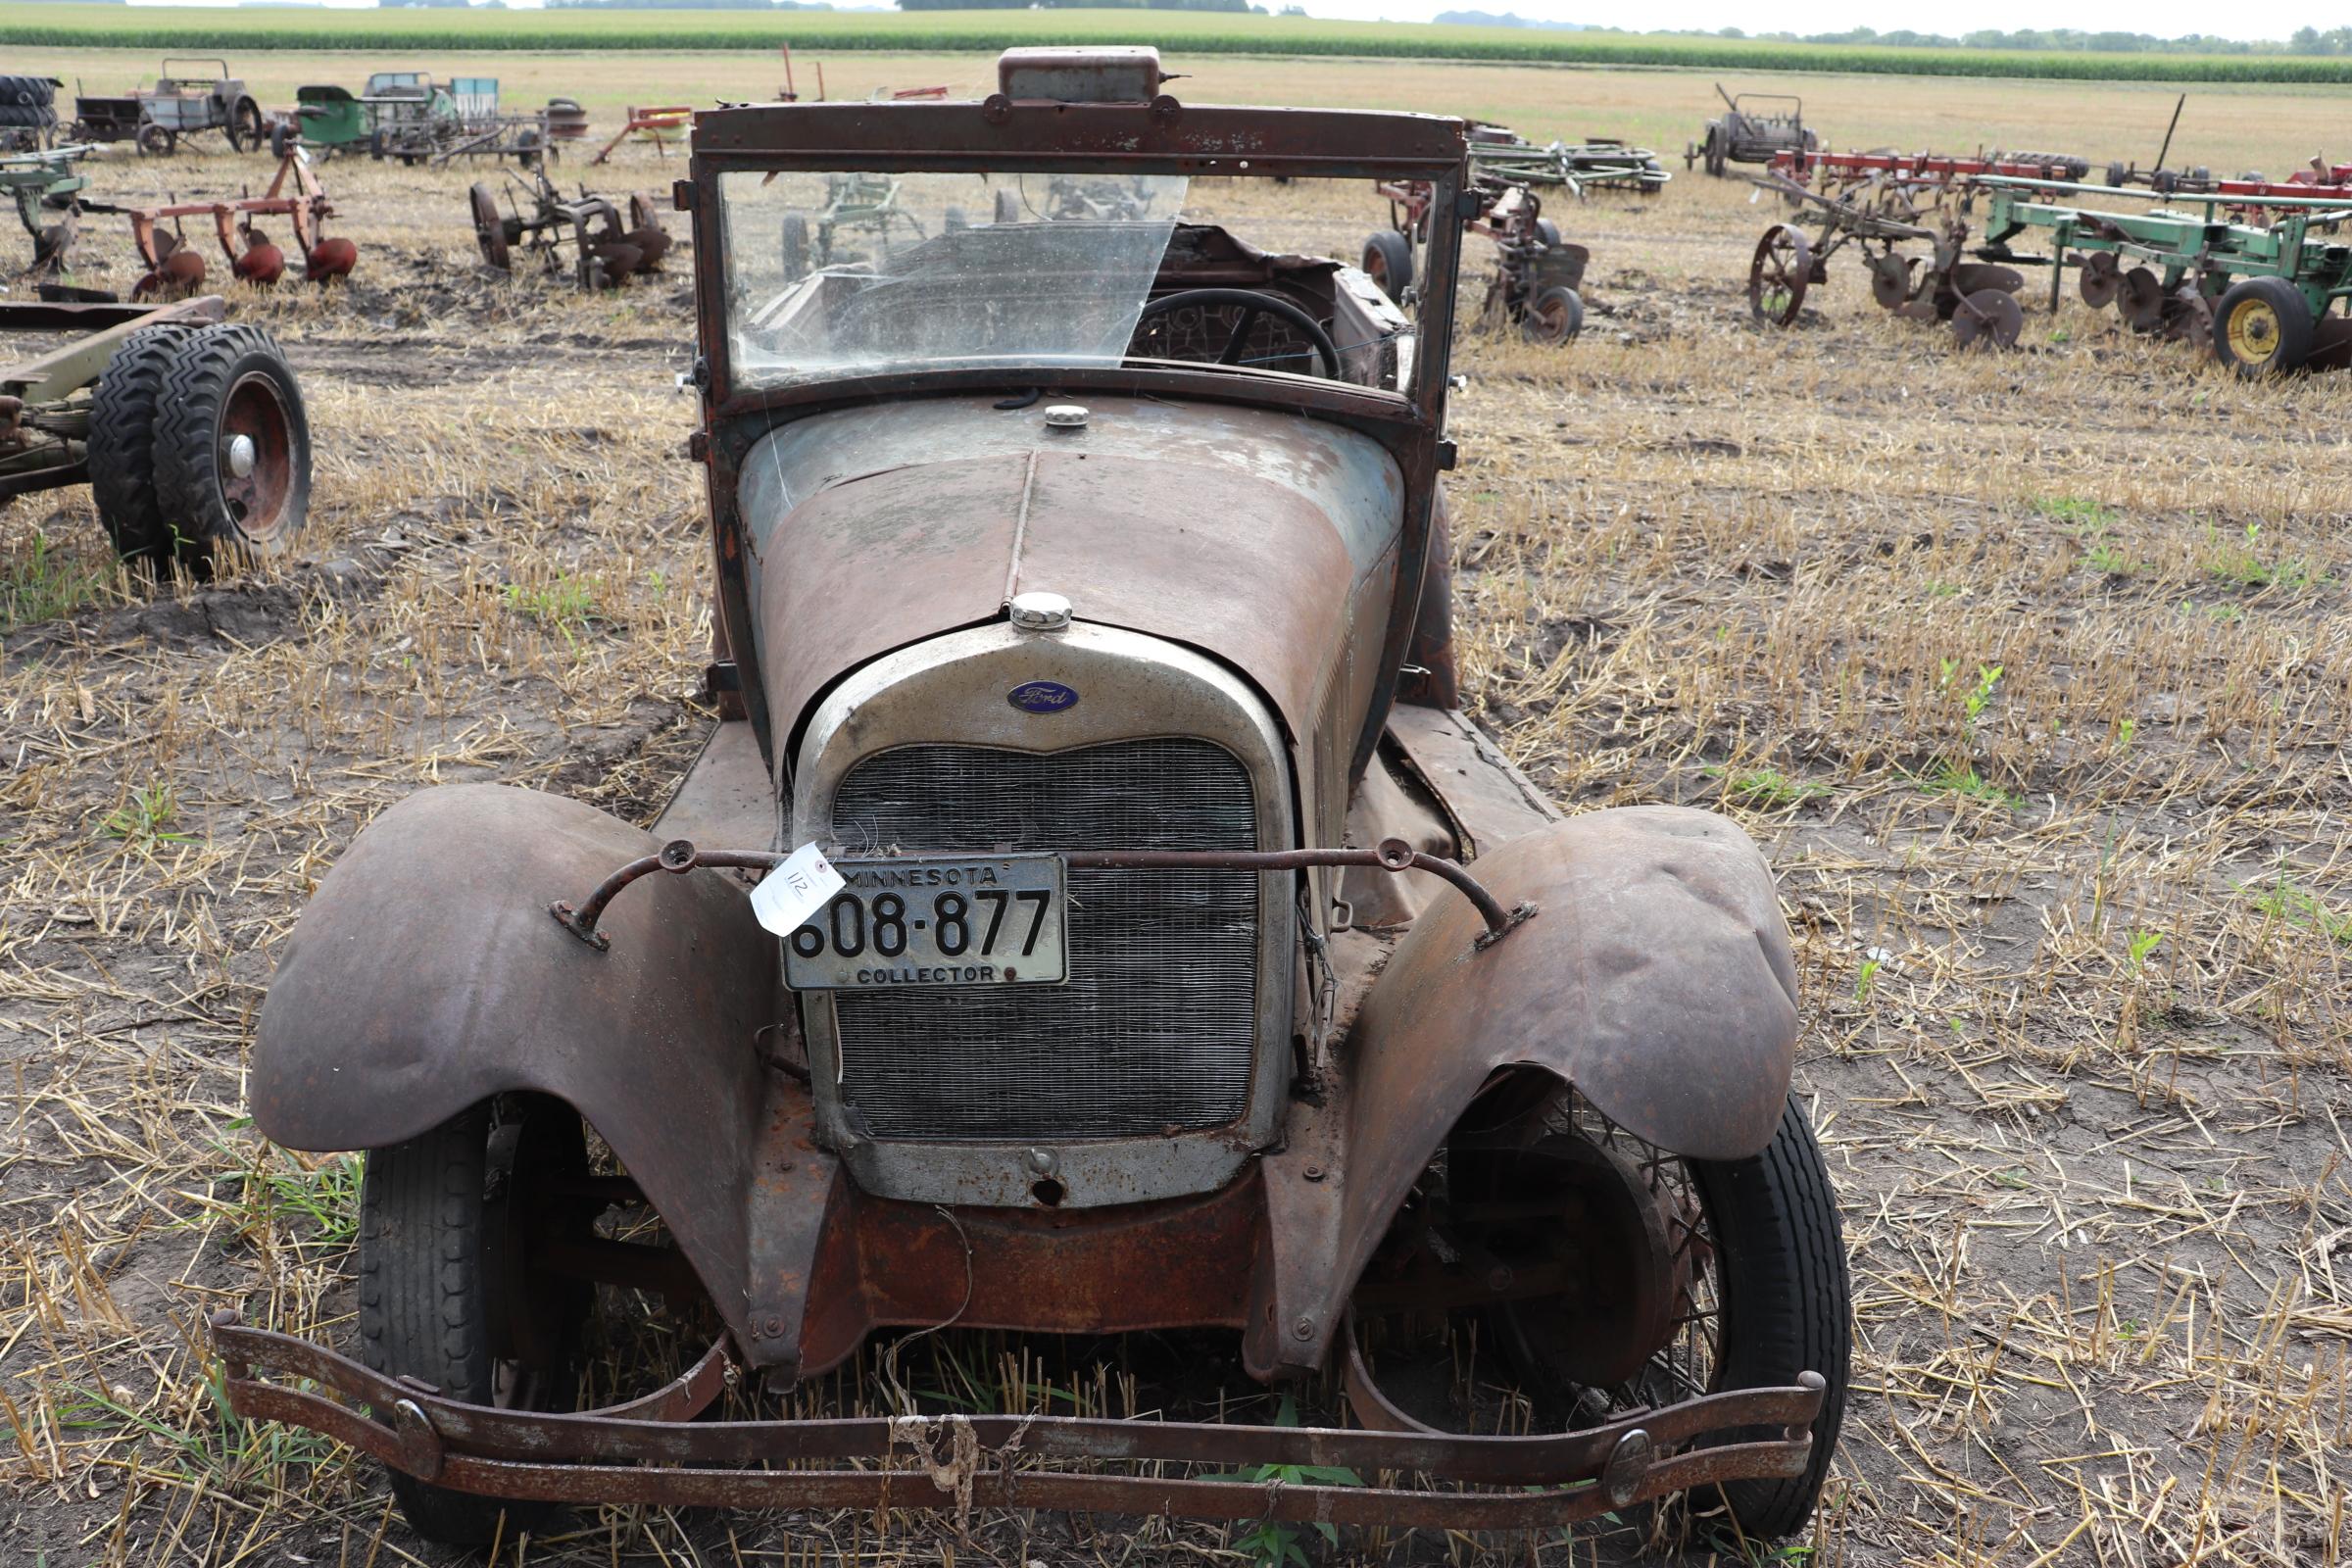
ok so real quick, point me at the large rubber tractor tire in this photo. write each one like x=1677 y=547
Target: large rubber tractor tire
x=232 y=448
x=123 y=424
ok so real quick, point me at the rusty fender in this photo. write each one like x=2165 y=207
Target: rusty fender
x=1659 y=981
x=425 y=976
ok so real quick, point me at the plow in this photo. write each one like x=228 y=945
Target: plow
x=2251 y=275
x=541 y=222
x=42 y=183
x=1979 y=298
x=175 y=265
x=2259 y=296
x=176 y=269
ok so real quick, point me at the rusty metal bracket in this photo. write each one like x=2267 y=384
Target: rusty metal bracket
x=652 y=1453
x=1393 y=856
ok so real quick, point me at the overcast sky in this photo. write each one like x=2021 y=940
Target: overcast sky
x=2248 y=19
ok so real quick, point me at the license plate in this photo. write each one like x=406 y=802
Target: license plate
x=934 y=920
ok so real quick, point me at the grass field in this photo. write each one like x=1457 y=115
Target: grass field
x=2028 y=672
x=254 y=28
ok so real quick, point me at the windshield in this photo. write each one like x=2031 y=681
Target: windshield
x=832 y=275
x=843 y=276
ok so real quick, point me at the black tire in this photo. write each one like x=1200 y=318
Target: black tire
x=282 y=138
x=27 y=117
x=795 y=247
x=1009 y=207
x=228 y=384
x=443 y=1286
x=954 y=221
x=123 y=422
x=28 y=92
x=1788 y=1300
x=1547 y=231
x=157 y=142
x=1389 y=261
x=1775 y=1283
x=375 y=145
x=2262 y=328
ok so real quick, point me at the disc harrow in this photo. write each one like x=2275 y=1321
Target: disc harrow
x=1878 y=220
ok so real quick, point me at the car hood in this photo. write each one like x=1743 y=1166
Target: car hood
x=1262 y=538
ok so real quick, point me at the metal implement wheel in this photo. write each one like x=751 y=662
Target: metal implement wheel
x=644 y=211
x=2140 y=300
x=1389 y=261
x=248 y=132
x=1009 y=207
x=157 y=142
x=489 y=228
x=2100 y=280
x=1554 y=316
x=232 y=448
x=1990 y=316
x=2263 y=327
x=448 y=1224
x=1778 y=276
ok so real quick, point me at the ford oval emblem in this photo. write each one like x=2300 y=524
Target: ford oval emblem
x=1042 y=697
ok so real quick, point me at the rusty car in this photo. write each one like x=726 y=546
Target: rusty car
x=1092 y=914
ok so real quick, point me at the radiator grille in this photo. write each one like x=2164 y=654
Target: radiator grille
x=1155 y=1028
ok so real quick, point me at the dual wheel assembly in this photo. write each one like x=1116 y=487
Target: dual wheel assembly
x=199 y=447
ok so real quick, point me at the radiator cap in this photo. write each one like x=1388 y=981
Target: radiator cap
x=1040 y=612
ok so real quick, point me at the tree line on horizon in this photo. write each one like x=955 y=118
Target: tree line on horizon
x=2072 y=40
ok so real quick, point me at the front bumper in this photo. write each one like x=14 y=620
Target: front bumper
x=651 y=1451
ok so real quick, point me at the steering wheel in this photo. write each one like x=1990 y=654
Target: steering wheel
x=1254 y=304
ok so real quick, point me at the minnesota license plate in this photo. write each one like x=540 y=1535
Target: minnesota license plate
x=934 y=920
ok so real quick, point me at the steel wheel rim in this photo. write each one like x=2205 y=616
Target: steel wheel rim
x=2253 y=332
x=1690 y=1362
x=256 y=434
x=1776 y=277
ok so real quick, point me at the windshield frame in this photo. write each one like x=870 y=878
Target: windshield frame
x=1001 y=138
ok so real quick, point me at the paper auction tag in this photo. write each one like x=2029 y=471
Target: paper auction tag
x=793 y=891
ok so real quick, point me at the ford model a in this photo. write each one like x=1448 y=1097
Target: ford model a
x=1142 y=942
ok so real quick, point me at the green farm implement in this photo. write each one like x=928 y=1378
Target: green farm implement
x=47 y=190
x=2251 y=274
x=2256 y=288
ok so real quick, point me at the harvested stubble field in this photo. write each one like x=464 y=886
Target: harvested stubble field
x=2032 y=673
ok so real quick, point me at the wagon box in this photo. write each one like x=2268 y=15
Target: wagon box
x=1137 y=938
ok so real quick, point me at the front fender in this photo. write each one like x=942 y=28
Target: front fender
x=428 y=975
x=1657 y=977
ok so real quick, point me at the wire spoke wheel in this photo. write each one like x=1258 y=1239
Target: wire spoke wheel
x=1778 y=276
x=1578 y=1274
